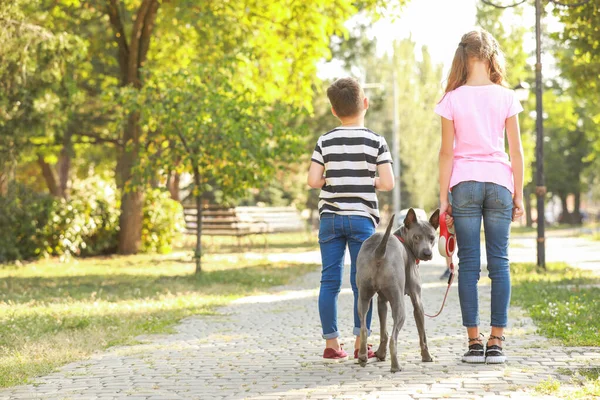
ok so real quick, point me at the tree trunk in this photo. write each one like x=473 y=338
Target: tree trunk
x=7 y=175
x=564 y=217
x=528 y=218
x=49 y=177
x=131 y=57
x=173 y=185
x=198 y=252
x=577 y=209
x=64 y=164
x=132 y=200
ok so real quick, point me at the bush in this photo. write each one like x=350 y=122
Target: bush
x=100 y=205
x=163 y=222
x=86 y=224
x=23 y=214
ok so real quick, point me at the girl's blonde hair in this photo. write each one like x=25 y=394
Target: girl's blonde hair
x=480 y=45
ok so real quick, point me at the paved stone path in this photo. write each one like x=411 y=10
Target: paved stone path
x=269 y=347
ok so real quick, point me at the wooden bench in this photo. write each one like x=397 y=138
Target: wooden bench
x=243 y=221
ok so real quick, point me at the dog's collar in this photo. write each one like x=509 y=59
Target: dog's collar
x=400 y=238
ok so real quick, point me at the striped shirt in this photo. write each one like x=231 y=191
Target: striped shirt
x=350 y=156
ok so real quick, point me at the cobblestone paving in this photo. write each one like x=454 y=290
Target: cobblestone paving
x=269 y=347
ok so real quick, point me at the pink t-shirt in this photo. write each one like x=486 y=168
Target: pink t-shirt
x=479 y=114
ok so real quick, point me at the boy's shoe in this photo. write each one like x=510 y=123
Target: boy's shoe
x=333 y=355
x=370 y=353
x=493 y=353
x=475 y=355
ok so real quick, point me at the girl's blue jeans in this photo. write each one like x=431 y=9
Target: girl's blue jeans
x=335 y=232
x=472 y=202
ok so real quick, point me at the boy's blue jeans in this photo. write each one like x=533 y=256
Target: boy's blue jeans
x=335 y=231
x=472 y=201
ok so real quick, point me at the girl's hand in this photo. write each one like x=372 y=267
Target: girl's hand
x=517 y=208
x=445 y=207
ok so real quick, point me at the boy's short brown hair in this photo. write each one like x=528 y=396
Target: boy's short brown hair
x=346 y=97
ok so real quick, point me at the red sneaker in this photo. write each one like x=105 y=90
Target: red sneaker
x=370 y=353
x=332 y=355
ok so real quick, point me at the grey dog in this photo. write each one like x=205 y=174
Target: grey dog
x=389 y=267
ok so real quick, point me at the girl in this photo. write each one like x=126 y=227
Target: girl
x=476 y=110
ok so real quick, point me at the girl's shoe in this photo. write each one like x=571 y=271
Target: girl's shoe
x=333 y=355
x=475 y=355
x=493 y=353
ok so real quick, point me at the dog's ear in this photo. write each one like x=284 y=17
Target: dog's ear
x=434 y=220
x=410 y=218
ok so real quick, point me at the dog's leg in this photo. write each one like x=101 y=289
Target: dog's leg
x=382 y=311
x=420 y=321
x=363 y=308
x=399 y=315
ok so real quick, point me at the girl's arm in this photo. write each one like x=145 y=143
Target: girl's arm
x=316 y=180
x=446 y=162
x=516 y=160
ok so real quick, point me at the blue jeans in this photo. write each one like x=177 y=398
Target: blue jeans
x=472 y=201
x=335 y=231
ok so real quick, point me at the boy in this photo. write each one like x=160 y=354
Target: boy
x=350 y=155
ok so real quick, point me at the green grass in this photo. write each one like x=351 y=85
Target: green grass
x=52 y=313
x=549 y=386
x=559 y=302
x=586 y=382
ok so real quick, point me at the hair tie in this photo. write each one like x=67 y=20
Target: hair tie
x=463 y=45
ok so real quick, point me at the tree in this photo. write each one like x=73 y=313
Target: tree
x=276 y=46
x=34 y=86
x=225 y=137
x=419 y=90
x=578 y=57
x=566 y=148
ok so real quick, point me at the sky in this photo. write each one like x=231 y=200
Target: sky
x=439 y=25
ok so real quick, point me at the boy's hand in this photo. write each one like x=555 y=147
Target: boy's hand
x=517 y=208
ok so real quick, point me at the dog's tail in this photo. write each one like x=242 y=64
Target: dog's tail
x=380 y=251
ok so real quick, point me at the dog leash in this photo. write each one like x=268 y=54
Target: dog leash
x=450 y=280
x=446 y=247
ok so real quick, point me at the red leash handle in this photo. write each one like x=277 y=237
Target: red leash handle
x=446 y=247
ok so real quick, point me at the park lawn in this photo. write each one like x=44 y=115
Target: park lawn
x=52 y=313
x=562 y=301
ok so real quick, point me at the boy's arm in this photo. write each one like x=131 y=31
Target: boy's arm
x=316 y=180
x=515 y=148
x=385 y=182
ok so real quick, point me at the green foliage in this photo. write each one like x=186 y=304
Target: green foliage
x=559 y=302
x=197 y=119
x=85 y=224
x=59 y=313
x=577 y=51
x=39 y=225
x=34 y=88
x=23 y=215
x=418 y=92
x=581 y=34
x=566 y=146
x=163 y=222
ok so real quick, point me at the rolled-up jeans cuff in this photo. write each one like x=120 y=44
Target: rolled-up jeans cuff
x=356 y=332
x=331 y=335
